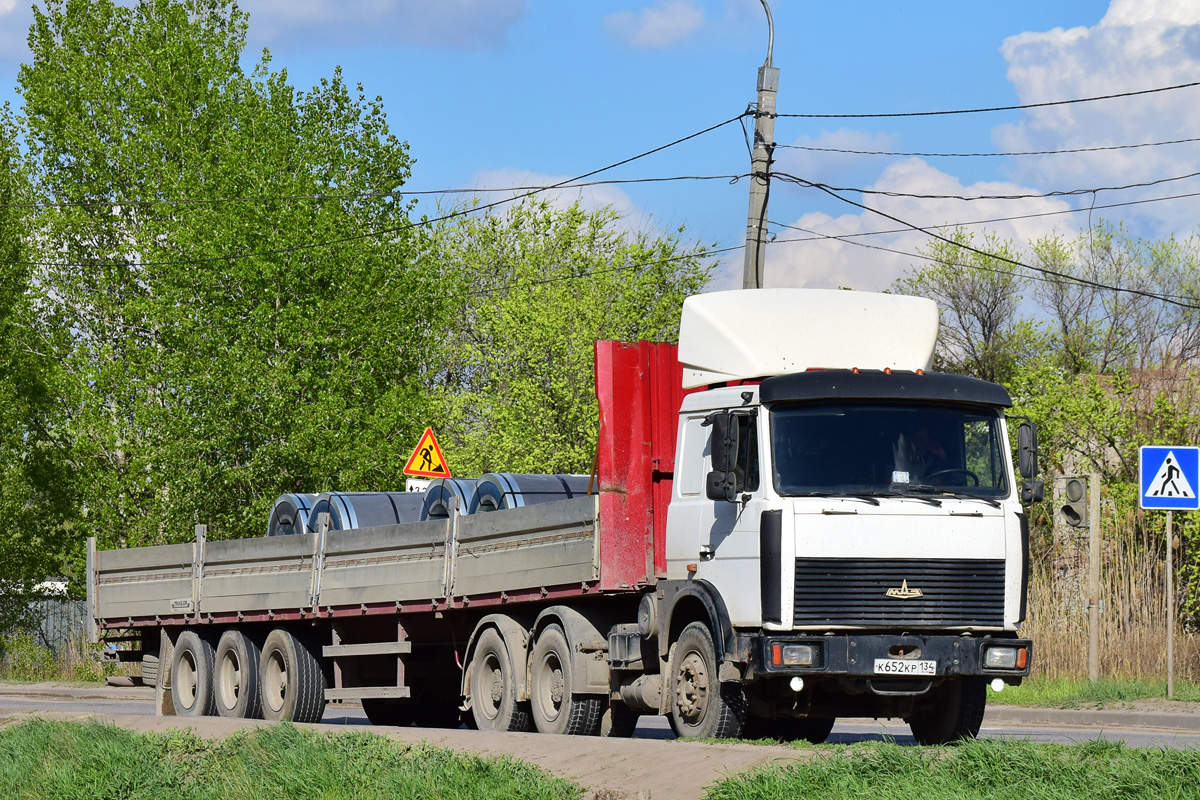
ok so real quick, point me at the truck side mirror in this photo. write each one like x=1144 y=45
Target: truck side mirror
x=721 y=483
x=1027 y=450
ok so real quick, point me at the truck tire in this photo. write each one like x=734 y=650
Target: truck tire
x=813 y=730
x=149 y=670
x=494 y=704
x=555 y=706
x=618 y=721
x=236 y=684
x=293 y=685
x=702 y=707
x=952 y=712
x=192 y=676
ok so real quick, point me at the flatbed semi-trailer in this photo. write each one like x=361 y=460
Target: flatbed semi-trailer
x=766 y=547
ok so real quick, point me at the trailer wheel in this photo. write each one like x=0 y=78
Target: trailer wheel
x=952 y=712
x=494 y=704
x=293 y=685
x=701 y=705
x=236 y=687
x=555 y=705
x=192 y=676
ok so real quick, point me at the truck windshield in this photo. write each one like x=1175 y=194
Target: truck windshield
x=879 y=449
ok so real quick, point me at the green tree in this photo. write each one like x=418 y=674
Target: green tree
x=234 y=262
x=535 y=288
x=35 y=491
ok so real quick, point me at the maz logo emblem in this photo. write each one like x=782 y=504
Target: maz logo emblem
x=904 y=593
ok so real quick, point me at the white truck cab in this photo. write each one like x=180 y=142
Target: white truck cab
x=871 y=502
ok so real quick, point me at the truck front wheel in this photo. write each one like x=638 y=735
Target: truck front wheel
x=494 y=704
x=701 y=706
x=950 y=712
x=556 y=708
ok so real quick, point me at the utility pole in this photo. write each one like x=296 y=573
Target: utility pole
x=760 y=164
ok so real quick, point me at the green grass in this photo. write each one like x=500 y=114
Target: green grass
x=1080 y=693
x=980 y=770
x=41 y=759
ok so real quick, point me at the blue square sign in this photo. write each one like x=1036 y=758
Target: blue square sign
x=1169 y=478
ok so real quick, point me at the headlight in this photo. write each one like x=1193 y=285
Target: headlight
x=798 y=655
x=793 y=655
x=1000 y=658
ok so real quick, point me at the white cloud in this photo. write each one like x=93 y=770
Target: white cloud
x=826 y=167
x=7 y=6
x=829 y=263
x=458 y=24
x=662 y=25
x=1139 y=44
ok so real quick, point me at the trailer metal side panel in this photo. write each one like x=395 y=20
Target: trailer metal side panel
x=549 y=544
x=257 y=574
x=144 y=581
x=391 y=563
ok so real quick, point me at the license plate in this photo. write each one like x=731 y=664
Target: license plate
x=903 y=666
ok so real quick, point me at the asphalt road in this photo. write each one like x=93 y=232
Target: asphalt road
x=622 y=768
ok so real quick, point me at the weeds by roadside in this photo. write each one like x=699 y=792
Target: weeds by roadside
x=982 y=770
x=1081 y=693
x=60 y=759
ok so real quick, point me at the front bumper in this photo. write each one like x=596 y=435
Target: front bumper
x=856 y=655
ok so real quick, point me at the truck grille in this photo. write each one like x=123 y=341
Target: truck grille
x=853 y=592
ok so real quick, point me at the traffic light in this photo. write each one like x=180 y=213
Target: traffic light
x=1074 y=502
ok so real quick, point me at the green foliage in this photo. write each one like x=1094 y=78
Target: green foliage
x=535 y=288
x=248 y=311
x=61 y=759
x=988 y=770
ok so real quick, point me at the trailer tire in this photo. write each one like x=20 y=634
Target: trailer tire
x=192 y=676
x=149 y=670
x=951 y=713
x=618 y=721
x=702 y=707
x=293 y=685
x=494 y=703
x=235 y=680
x=555 y=705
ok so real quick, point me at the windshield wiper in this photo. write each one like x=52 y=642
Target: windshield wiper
x=866 y=497
x=917 y=491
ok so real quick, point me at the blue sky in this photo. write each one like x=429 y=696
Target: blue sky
x=496 y=93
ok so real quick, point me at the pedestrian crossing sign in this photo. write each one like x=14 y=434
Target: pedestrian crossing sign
x=427 y=460
x=1169 y=478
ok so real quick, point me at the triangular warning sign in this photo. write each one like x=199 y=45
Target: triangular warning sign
x=427 y=460
x=1170 y=481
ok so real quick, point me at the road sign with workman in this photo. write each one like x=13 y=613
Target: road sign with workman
x=1169 y=478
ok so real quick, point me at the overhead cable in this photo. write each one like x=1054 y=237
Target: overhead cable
x=1096 y=149
x=996 y=108
x=462 y=212
x=970 y=197
x=1192 y=302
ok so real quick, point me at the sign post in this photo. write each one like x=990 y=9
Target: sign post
x=1169 y=478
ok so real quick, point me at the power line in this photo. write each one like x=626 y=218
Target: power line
x=1007 y=219
x=1095 y=149
x=372 y=195
x=1043 y=270
x=994 y=108
x=462 y=212
x=1026 y=196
